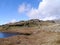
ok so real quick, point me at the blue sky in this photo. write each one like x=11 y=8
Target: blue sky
x=9 y=10
x=16 y=10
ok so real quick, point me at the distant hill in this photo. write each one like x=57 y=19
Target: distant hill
x=32 y=32
x=57 y=21
x=28 y=23
x=32 y=22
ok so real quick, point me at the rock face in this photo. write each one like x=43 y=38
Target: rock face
x=33 y=32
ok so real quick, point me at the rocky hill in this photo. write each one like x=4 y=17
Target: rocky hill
x=25 y=24
x=34 y=32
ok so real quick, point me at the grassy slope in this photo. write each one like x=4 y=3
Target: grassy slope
x=41 y=34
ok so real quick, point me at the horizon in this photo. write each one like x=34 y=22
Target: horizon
x=17 y=10
x=28 y=20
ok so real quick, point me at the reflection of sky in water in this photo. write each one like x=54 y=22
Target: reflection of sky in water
x=5 y=34
x=1 y=35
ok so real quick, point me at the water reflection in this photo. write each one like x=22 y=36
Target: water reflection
x=6 y=34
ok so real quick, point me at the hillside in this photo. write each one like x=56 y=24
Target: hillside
x=35 y=32
x=26 y=24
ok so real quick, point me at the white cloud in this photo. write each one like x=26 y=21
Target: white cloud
x=33 y=13
x=23 y=8
x=47 y=10
x=11 y=21
x=50 y=9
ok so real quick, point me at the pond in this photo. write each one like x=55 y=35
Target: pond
x=6 y=34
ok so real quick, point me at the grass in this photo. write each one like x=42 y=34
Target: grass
x=43 y=33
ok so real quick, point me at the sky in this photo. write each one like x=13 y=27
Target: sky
x=17 y=10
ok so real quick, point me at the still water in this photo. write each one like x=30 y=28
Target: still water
x=6 y=34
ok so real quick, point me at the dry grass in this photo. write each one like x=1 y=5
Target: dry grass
x=43 y=34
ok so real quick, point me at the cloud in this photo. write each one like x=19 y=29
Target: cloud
x=11 y=21
x=23 y=8
x=47 y=10
x=33 y=13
